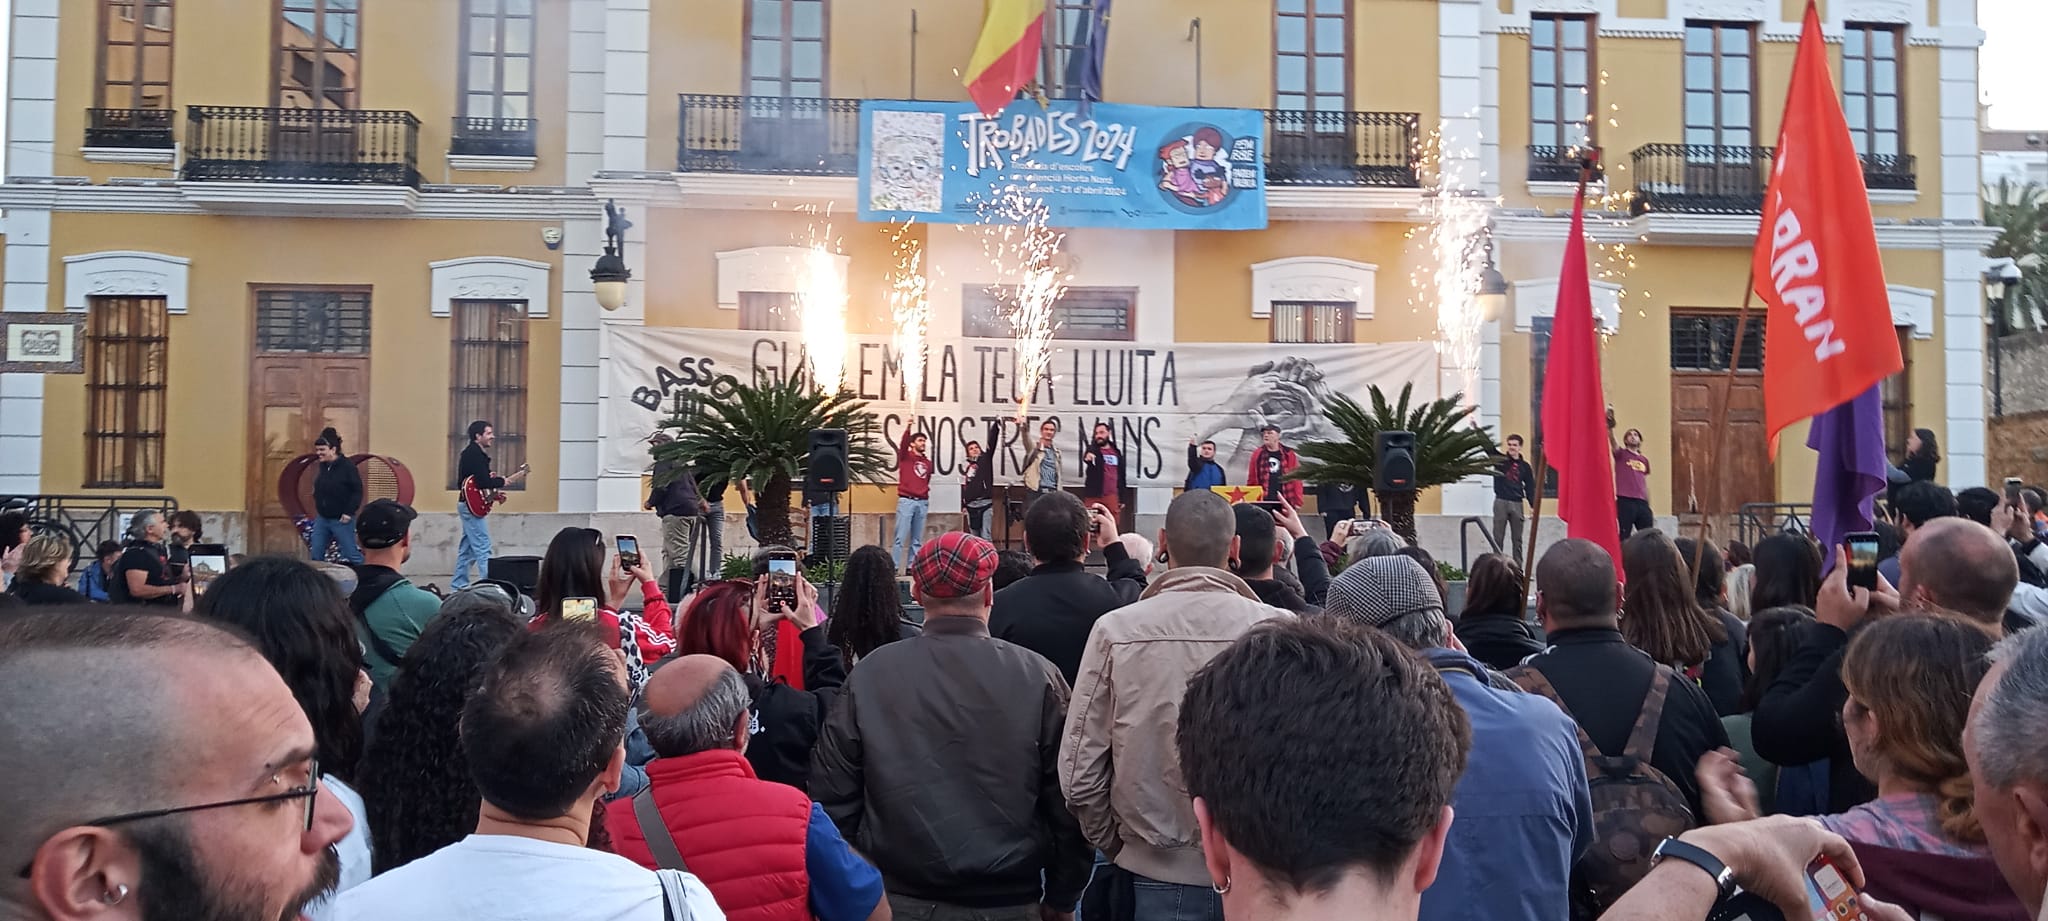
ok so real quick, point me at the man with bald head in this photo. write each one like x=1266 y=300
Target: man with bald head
x=766 y=851
x=157 y=768
x=1118 y=763
x=1602 y=682
x=1959 y=565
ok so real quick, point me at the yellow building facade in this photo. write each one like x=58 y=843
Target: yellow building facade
x=279 y=214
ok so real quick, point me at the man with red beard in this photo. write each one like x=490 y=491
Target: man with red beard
x=158 y=769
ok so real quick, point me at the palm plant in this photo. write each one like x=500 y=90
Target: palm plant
x=1448 y=447
x=2020 y=214
x=760 y=432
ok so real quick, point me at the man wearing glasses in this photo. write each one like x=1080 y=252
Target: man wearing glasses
x=157 y=768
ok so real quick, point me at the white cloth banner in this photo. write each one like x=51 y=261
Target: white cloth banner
x=1154 y=396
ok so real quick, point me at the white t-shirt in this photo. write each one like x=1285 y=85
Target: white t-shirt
x=354 y=849
x=507 y=878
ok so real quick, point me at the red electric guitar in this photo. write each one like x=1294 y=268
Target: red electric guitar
x=479 y=501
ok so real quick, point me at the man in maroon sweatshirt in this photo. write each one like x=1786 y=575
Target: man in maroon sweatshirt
x=913 y=495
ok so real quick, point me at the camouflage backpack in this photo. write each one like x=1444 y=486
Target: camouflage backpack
x=1634 y=805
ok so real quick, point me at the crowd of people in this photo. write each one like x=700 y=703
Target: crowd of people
x=1229 y=720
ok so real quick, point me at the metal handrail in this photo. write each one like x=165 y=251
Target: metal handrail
x=1342 y=148
x=1464 y=549
x=267 y=144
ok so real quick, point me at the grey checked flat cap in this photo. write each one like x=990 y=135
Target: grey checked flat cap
x=1376 y=590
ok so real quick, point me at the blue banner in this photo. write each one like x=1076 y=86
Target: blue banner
x=1139 y=167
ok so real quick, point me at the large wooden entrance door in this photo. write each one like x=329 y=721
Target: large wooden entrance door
x=1723 y=465
x=311 y=370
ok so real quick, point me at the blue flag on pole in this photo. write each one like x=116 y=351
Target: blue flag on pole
x=1851 y=469
x=1084 y=68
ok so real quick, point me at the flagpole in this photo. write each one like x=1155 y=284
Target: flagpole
x=1586 y=159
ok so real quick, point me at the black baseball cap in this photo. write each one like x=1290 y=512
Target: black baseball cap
x=384 y=523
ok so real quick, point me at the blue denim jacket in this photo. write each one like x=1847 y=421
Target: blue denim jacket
x=1523 y=813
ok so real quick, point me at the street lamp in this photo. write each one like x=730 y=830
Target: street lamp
x=610 y=275
x=1493 y=288
x=2000 y=278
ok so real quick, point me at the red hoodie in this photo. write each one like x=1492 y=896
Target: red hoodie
x=913 y=473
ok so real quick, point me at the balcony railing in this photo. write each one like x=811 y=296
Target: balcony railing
x=1342 y=148
x=1699 y=178
x=493 y=137
x=768 y=134
x=1558 y=164
x=362 y=146
x=131 y=128
x=1894 y=172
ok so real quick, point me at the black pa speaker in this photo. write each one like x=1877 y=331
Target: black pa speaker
x=1395 y=469
x=522 y=571
x=825 y=465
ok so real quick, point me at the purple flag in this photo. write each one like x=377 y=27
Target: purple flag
x=1851 y=469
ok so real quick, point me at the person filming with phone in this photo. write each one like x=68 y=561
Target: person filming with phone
x=575 y=585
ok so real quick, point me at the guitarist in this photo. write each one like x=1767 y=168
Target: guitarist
x=475 y=465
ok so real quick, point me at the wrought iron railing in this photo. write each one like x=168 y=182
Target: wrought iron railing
x=366 y=146
x=1699 y=178
x=493 y=137
x=148 y=129
x=768 y=134
x=1342 y=148
x=1894 y=172
x=1559 y=164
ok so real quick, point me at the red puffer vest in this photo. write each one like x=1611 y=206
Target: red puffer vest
x=743 y=836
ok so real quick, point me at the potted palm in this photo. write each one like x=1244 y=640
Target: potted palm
x=1448 y=447
x=761 y=432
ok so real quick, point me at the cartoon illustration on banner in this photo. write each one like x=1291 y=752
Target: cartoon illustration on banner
x=1154 y=397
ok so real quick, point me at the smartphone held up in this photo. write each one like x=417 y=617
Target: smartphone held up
x=782 y=571
x=1862 y=548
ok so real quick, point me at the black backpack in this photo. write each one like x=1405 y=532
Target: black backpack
x=1635 y=807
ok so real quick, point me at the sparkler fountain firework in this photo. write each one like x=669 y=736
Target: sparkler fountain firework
x=822 y=301
x=910 y=310
x=1021 y=245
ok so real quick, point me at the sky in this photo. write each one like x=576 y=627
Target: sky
x=2009 y=69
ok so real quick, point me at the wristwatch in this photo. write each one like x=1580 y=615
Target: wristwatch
x=1674 y=849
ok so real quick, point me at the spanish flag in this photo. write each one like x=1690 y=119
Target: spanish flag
x=1006 y=57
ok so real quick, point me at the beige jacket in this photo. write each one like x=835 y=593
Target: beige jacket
x=1119 y=767
x=1031 y=459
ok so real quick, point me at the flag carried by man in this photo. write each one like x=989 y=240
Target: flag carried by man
x=1575 y=433
x=1828 y=334
x=1006 y=57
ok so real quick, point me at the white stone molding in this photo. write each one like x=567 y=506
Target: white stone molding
x=1899 y=11
x=1313 y=278
x=136 y=156
x=491 y=164
x=1725 y=10
x=114 y=273
x=766 y=268
x=1537 y=297
x=490 y=278
x=1913 y=307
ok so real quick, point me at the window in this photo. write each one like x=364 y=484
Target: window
x=1705 y=342
x=127 y=343
x=135 y=55
x=1896 y=392
x=497 y=60
x=318 y=61
x=770 y=311
x=1313 y=321
x=1311 y=55
x=1870 y=88
x=1066 y=47
x=786 y=48
x=1561 y=82
x=487 y=380
x=1107 y=314
x=1720 y=106
x=314 y=320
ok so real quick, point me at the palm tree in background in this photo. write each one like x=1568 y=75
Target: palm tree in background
x=761 y=432
x=2020 y=214
x=1448 y=447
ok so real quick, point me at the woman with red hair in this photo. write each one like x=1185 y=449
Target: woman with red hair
x=727 y=619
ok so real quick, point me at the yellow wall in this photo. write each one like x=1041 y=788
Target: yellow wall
x=221 y=56
x=207 y=442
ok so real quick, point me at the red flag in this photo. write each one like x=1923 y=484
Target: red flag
x=1828 y=332
x=1575 y=434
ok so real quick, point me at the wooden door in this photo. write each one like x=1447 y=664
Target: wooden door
x=311 y=370
x=1724 y=467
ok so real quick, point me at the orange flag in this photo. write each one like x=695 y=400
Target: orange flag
x=1006 y=57
x=1828 y=332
